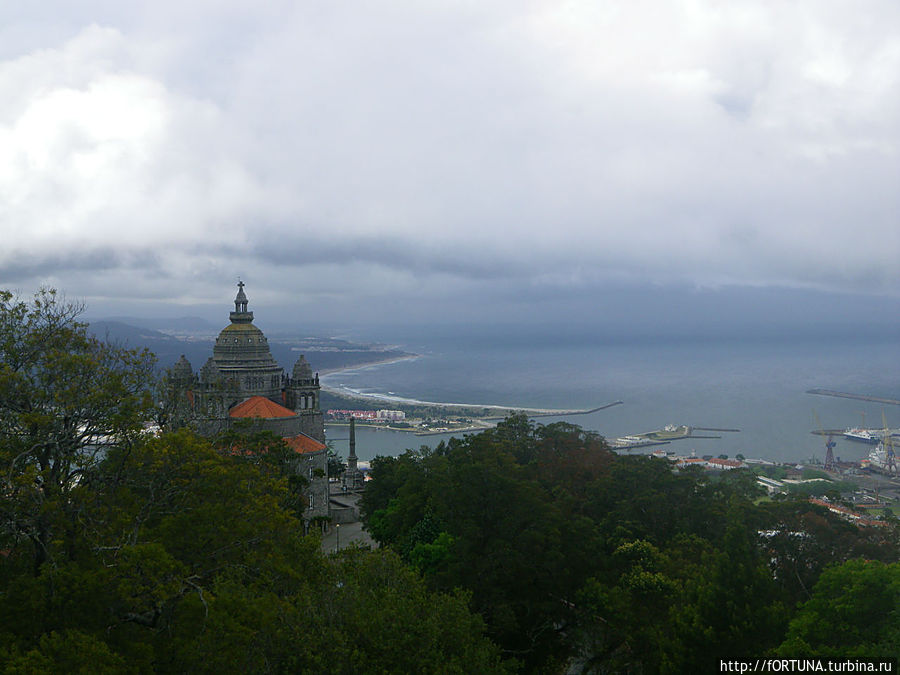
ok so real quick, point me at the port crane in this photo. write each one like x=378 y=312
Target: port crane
x=887 y=440
x=829 y=444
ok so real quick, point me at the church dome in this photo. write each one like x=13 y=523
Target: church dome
x=241 y=344
x=242 y=356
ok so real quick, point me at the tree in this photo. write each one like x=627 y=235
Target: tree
x=854 y=612
x=802 y=540
x=66 y=398
x=624 y=614
x=379 y=617
x=268 y=451
x=196 y=566
x=336 y=464
x=733 y=610
x=490 y=513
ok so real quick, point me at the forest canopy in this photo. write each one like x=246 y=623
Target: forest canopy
x=581 y=560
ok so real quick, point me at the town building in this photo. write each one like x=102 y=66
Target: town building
x=242 y=384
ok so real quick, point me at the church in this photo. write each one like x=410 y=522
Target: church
x=241 y=381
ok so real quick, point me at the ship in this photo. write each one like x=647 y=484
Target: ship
x=869 y=436
x=881 y=459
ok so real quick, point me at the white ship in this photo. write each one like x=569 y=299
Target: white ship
x=870 y=436
x=881 y=460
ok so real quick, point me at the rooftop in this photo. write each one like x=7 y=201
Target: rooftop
x=260 y=406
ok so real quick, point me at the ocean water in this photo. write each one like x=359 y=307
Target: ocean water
x=755 y=385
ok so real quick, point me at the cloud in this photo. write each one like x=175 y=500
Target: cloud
x=408 y=148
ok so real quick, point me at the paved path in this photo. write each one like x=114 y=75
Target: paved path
x=347 y=534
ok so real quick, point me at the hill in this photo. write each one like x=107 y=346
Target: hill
x=324 y=354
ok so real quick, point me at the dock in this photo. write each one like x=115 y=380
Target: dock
x=670 y=433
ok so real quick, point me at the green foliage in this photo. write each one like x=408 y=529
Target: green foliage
x=380 y=618
x=193 y=564
x=336 y=464
x=734 y=610
x=854 y=611
x=580 y=559
x=269 y=452
x=66 y=398
x=776 y=472
x=62 y=653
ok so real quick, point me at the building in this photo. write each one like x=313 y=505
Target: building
x=241 y=381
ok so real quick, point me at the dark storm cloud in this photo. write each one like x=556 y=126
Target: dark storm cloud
x=32 y=266
x=415 y=257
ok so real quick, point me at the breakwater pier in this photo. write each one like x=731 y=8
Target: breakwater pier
x=858 y=397
x=664 y=436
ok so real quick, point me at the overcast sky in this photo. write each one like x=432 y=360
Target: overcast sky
x=347 y=156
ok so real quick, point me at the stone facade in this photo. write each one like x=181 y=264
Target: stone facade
x=241 y=368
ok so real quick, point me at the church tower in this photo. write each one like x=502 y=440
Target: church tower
x=302 y=396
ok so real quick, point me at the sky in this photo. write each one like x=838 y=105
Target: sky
x=409 y=161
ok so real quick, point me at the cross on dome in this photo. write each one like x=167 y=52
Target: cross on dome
x=240 y=313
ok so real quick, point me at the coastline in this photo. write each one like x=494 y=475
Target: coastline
x=488 y=424
x=368 y=364
x=500 y=410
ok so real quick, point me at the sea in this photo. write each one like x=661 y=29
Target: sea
x=758 y=385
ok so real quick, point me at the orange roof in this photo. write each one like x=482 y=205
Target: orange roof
x=726 y=462
x=260 y=406
x=303 y=444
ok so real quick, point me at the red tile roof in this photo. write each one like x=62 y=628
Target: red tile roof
x=303 y=444
x=733 y=463
x=848 y=513
x=260 y=406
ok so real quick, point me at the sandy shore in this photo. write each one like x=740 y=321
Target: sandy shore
x=498 y=410
x=369 y=364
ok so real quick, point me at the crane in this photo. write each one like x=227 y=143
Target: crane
x=887 y=440
x=829 y=444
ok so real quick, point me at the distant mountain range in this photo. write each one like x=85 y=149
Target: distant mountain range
x=181 y=325
x=193 y=339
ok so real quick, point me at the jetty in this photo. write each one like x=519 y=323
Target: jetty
x=664 y=436
x=557 y=413
x=538 y=412
x=858 y=397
